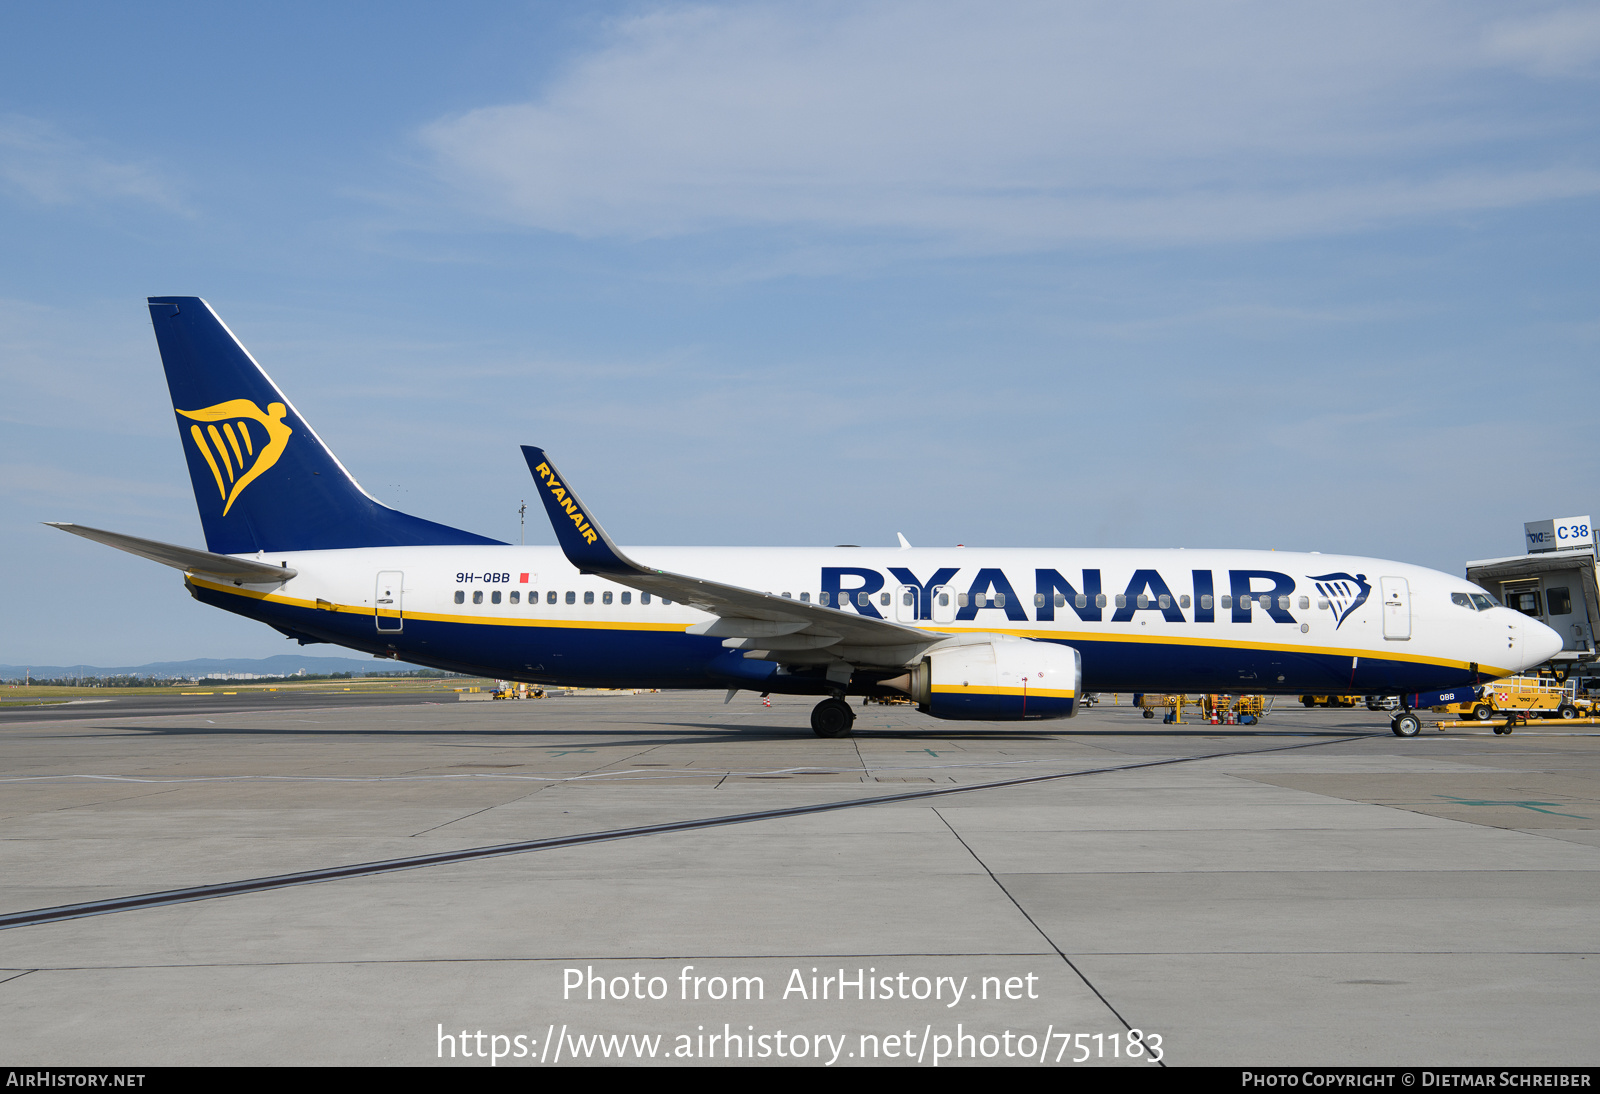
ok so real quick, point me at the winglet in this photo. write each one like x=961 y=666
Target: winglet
x=584 y=542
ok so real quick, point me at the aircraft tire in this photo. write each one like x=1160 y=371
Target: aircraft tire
x=832 y=718
x=1406 y=725
x=1482 y=712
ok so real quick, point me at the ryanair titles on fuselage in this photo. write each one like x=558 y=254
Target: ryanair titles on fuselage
x=1146 y=590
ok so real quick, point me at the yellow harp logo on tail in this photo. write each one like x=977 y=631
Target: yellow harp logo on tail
x=246 y=444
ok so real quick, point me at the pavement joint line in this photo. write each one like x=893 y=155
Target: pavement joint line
x=1034 y=924
x=40 y=916
x=477 y=812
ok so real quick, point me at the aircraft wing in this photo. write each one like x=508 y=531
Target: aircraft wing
x=183 y=558
x=764 y=621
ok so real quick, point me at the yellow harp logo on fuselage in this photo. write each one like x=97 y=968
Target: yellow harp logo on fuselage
x=247 y=443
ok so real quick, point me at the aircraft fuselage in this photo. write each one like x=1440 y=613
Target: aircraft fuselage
x=1143 y=620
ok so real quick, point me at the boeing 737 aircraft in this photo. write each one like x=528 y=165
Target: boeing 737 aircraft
x=989 y=634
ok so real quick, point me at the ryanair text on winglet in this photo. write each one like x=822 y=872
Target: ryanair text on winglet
x=567 y=504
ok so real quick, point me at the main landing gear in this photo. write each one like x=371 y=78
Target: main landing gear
x=832 y=718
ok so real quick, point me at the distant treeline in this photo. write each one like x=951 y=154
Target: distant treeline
x=124 y=681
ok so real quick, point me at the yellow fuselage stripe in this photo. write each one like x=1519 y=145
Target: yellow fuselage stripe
x=1046 y=693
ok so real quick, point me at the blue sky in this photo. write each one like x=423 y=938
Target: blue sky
x=1316 y=277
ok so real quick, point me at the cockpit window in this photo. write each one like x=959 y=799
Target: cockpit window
x=1483 y=603
x=1463 y=600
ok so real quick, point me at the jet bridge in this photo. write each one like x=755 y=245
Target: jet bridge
x=1556 y=582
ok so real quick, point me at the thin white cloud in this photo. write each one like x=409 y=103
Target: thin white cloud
x=42 y=164
x=1005 y=127
x=1564 y=42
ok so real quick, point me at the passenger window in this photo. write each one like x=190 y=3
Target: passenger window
x=1100 y=600
x=862 y=600
x=1266 y=601
x=1206 y=602
x=588 y=596
x=825 y=599
x=788 y=596
x=1061 y=600
x=605 y=597
x=1079 y=601
x=461 y=597
x=1142 y=601
x=883 y=599
x=999 y=600
x=477 y=596
x=805 y=598
x=644 y=598
x=1322 y=605
x=1122 y=600
x=1164 y=601
x=1183 y=601
x=1227 y=602
x=1283 y=604
x=494 y=597
x=516 y=597
x=908 y=598
x=961 y=600
x=550 y=597
x=944 y=600
x=1305 y=602
x=627 y=598
x=572 y=597
x=1559 y=601
x=665 y=602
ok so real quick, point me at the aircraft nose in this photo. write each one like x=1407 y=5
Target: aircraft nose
x=1539 y=642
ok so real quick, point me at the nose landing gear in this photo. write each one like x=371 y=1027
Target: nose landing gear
x=832 y=718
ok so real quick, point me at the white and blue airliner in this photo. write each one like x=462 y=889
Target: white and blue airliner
x=969 y=633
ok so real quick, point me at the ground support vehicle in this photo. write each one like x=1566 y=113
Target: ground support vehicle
x=1222 y=709
x=1330 y=700
x=1524 y=695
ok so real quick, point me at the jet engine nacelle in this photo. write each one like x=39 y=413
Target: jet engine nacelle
x=994 y=677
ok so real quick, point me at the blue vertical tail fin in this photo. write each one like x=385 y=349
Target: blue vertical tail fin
x=263 y=479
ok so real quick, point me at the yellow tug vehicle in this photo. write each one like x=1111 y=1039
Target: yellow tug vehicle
x=1331 y=700
x=1528 y=696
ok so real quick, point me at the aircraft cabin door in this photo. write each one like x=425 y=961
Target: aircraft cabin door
x=944 y=604
x=905 y=604
x=1396 y=608
x=386 y=602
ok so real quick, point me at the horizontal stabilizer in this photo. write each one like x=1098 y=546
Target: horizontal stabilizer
x=183 y=558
